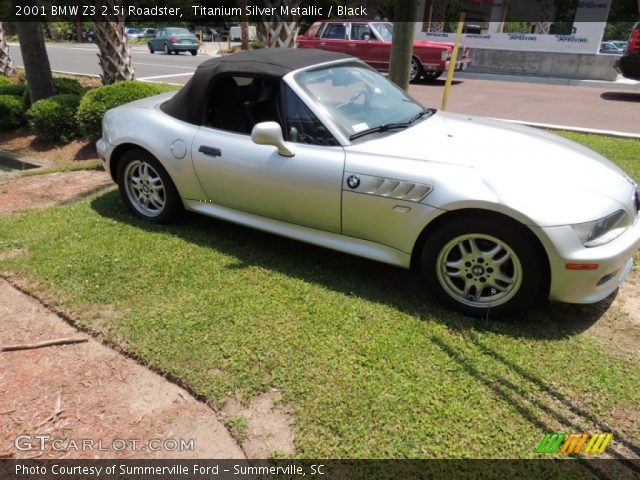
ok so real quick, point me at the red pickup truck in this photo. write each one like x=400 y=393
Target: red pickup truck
x=371 y=42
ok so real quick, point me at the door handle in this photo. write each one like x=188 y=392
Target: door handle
x=211 y=151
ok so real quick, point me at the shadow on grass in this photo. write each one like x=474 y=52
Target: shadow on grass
x=536 y=409
x=376 y=282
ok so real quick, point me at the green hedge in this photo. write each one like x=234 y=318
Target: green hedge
x=61 y=86
x=96 y=102
x=11 y=114
x=17 y=90
x=53 y=118
x=5 y=81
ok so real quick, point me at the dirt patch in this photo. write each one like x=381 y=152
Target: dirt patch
x=87 y=391
x=42 y=191
x=268 y=426
x=23 y=142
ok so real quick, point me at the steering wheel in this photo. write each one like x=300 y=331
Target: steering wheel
x=355 y=97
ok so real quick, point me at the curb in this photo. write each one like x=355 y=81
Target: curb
x=592 y=131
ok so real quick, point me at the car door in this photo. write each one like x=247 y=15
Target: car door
x=157 y=42
x=365 y=45
x=334 y=38
x=304 y=189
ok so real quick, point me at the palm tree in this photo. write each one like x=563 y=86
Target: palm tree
x=283 y=32
x=114 y=54
x=36 y=60
x=6 y=64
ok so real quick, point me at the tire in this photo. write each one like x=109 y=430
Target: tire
x=431 y=76
x=194 y=52
x=482 y=266
x=166 y=49
x=151 y=50
x=416 y=70
x=153 y=196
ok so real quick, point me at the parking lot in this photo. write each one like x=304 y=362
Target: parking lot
x=602 y=106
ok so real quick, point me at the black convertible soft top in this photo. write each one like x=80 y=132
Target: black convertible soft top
x=188 y=103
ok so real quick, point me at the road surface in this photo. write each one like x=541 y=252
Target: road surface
x=602 y=107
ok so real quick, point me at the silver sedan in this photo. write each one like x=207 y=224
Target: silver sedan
x=319 y=147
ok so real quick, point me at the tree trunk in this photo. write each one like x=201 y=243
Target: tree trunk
x=114 y=54
x=402 y=43
x=36 y=61
x=283 y=32
x=244 y=26
x=78 y=28
x=6 y=64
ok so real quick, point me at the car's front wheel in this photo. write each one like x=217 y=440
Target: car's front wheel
x=482 y=266
x=166 y=49
x=146 y=188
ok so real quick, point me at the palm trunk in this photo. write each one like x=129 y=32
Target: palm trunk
x=114 y=54
x=6 y=64
x=283 y=32
x=244 y=26
x=36 y=60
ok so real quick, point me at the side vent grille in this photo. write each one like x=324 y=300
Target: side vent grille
x=390 y=188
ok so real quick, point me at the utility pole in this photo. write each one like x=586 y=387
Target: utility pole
x=402 y=42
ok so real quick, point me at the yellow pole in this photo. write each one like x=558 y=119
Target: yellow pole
x=452 y=62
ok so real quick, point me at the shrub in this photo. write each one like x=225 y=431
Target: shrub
x=17 y=90
x=54 y=118
x=5 y=81
x=11 y=114
x=61 y=86
x=96 y=102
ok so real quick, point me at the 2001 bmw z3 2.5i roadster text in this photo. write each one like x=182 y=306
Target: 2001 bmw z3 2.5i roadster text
x=319 y=147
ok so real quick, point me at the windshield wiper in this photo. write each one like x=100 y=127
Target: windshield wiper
x=419 y=115
x=385 y=127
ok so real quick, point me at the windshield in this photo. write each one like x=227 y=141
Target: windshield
x=385 y=30
x=357 y=97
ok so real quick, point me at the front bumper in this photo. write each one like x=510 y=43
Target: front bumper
x=104 y=150
x=614 y=260
x=442 y=66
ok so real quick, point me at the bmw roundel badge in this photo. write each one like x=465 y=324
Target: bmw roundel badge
x=353 y=181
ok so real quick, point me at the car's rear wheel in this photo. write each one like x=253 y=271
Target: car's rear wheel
x=194 y=52
x=416 y=70
x=151 y=50
x=482 y=266
x=146 y=188
x=430 y=76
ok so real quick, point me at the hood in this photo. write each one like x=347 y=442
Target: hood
x=551 y=180
x=430 y=44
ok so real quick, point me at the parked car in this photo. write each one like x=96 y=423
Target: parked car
x=149 y=32
x=174 y=40
x=629 y=64
x=133 y=33
x=621 y=44
x=319 y=147
x=371 y=42
x=87 y=35
x=611 y=48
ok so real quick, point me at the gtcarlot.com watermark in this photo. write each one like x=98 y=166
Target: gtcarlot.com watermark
x=26 y=443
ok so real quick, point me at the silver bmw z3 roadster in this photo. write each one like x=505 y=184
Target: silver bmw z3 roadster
x=319 y=147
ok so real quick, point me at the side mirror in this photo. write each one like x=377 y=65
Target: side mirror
x=270 y=133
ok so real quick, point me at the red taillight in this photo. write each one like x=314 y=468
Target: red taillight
x=634 y=42
x=173 y=40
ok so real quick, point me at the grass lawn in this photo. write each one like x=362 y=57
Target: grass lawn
x=366 y=362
